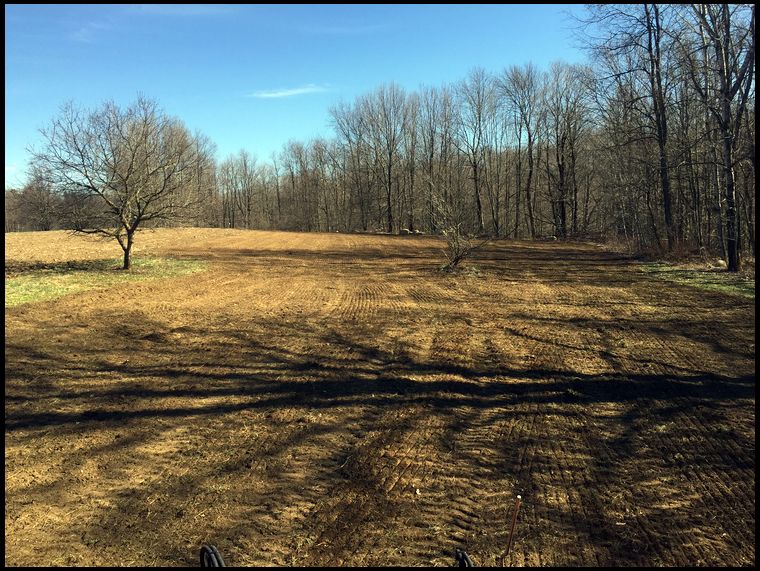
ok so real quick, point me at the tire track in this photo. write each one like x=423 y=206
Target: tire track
x=385 y=466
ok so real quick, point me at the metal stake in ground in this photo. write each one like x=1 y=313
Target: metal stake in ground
x=518 y=501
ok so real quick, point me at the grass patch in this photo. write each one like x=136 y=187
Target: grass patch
x=32 y=282
x=712 y=279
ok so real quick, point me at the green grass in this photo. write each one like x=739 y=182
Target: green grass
x=32 y=282
x=716 y=280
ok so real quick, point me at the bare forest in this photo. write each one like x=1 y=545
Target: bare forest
x=651 y=147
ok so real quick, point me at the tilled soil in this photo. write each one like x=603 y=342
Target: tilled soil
x=331 y=399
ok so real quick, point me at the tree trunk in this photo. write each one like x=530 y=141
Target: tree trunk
x=658 y=100
x=519 y=183
x=478 y=205
x=531 y=222
x=127 y=249
x=561 y=212
x=732 y=228
x=574 y=182
x=389 y=195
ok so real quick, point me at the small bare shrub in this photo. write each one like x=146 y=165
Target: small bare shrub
x=460 y=244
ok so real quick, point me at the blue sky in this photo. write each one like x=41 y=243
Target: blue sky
x=255 y=76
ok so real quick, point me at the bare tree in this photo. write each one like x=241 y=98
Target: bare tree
x=238 y=182
x=428 y=126
x=565 y=117
x=639 y=34
x=352 y=131
x=12 y=219
x=38 y=206
x=436 y=126
x=520 y=86
x=655 y=33
x=476 y=104
x=410 y=149
x=731 y=66
x=122 y=167
x=276 y=177
x=385 y=113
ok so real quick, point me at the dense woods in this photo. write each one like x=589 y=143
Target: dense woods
x=650 y=146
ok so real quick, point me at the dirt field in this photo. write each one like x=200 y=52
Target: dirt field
x=317 y=399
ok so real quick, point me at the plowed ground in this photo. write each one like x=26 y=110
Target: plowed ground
x=317 y=399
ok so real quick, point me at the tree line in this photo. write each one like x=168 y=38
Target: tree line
x=652 y=146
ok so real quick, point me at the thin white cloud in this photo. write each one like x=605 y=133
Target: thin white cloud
x=88 y=32
x=182 y=9
x=347 y=30
x=279 y=93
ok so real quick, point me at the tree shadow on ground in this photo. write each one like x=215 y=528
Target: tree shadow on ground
x=16 y=267
x=235 y=376
x=305 y=441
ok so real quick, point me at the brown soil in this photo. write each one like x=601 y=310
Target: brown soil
x=330 y=399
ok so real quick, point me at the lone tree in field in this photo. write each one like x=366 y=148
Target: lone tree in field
x=119 y=168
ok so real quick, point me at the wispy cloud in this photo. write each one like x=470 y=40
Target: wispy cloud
x=345 y=30
x=279 y=93
x=182 y=9
x=88 y=32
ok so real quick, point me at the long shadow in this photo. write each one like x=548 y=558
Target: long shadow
x=278 y=376
x=573 y=388
x=17 y=267
x=541 y=260
x=659 y=445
